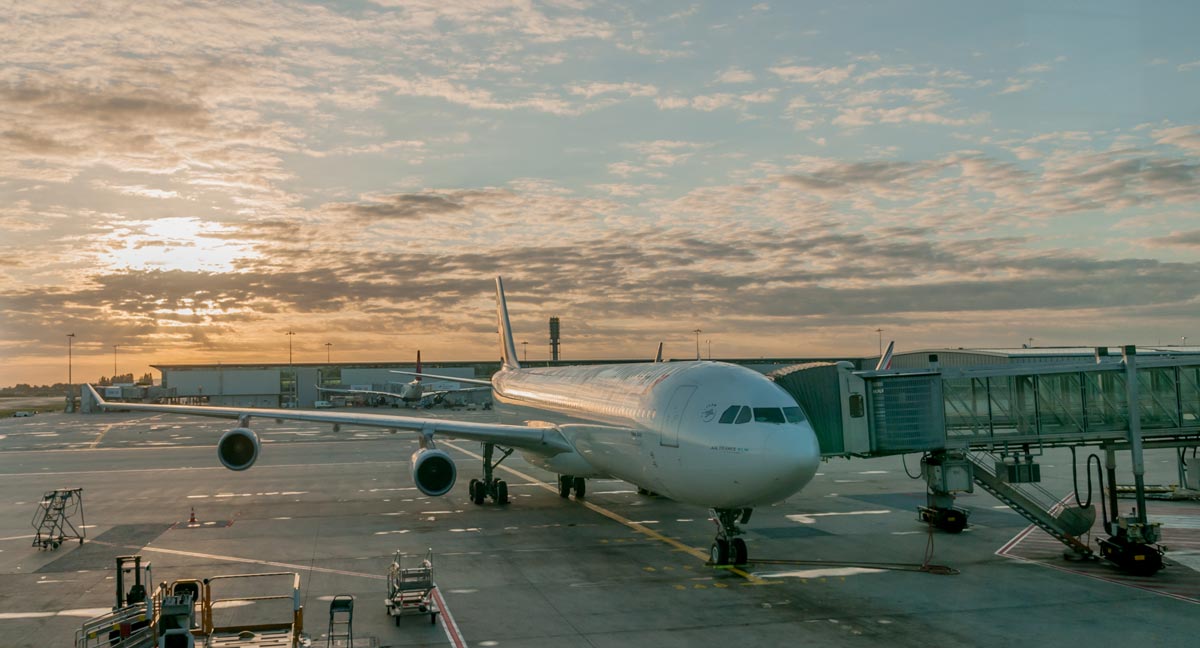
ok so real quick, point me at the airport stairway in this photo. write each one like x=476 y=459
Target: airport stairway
x=1025 y=503
x=52 y=521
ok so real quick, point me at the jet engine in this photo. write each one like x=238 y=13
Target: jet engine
x=238 y=448
x=433 y=471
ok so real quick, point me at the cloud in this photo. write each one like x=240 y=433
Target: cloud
x=401 y=207
x=1188 y=239
x=628 y=89
x=810 y=74
x=1188 y=67
x=734 y=75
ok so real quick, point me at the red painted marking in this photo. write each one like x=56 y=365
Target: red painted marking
x=1176 y=582
x=448 y=624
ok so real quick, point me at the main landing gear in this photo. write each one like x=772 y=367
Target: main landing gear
x=567 y=483
x=728 y=549
x=489 y=486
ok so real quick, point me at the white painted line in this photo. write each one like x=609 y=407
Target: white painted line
x=820 y=573
x=808 y=518
x=86 y=613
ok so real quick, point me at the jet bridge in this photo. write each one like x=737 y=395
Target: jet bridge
x=987 y=425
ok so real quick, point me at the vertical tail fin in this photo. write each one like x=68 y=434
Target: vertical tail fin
x=418 y=366
x=508 y=348
x=658 y=356
x=885 y=360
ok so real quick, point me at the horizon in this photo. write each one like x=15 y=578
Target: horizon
x=789 y=178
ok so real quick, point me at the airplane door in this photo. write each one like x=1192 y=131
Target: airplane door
x=675 y=409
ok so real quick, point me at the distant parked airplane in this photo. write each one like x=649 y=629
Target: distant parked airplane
x=700 y=432
x=410 y=392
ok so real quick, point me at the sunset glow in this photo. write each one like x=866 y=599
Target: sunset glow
x=190 y=182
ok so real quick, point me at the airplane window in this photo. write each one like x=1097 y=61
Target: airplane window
x=793 y=414
x=744 y=415
x=730 y=414
x=768 y=415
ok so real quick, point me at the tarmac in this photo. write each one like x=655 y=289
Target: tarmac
x=615 y=569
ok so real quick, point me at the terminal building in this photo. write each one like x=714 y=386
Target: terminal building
x=300 y=385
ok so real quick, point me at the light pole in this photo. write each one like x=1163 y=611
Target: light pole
x=880 y=332
x=525 y=352
x=115 y=362
x=697 y=332
x=291 y=369
x=1030 y=343
x=70 y=377
x=709 y=341
x=327 y=346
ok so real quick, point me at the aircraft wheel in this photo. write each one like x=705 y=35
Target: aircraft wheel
x=580 y=487
x=564 y=485
x=738 y=553
x=480 y=492
x=501 y=492
x=471 y=487
x=718 y=553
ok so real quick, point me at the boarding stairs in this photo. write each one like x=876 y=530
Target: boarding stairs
x=1033 y=502
x=53 y=519
x=127 y=627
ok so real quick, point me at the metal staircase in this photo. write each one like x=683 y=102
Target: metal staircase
x=1023 y=503
x=52 y=521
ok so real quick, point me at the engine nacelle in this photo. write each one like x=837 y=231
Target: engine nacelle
x=433 y=471
x=238 y=448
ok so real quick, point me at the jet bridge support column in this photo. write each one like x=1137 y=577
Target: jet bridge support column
x=945 y=473
x=1132 y=538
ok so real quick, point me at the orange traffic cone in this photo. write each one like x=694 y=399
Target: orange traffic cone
x=192 y=520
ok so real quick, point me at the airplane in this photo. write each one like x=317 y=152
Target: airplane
x=699 y=432
x=410 y=392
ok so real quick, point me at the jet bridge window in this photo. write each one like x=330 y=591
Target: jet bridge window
x=768 y=415
x=730 y=414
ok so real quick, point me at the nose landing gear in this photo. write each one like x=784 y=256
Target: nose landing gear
x=567 y=483
x=489 y=486
x=727 y=548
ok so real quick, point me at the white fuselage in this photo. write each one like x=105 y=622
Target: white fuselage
x=658 y=426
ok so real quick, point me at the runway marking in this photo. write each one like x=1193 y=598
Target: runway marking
x=85 y=613
x=448 y=624
x=807 y=518
x=120 y=424
x=820 y=573
x=616 y=517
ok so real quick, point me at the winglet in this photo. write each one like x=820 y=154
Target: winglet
x=885 y=360
x=508 y=348
x=658 y=356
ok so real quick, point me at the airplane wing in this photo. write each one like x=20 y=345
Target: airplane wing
x=545 y=441
x=420 y=374
x=443 y=392
x=375 y=392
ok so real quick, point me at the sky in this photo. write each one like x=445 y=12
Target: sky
x=189 y=182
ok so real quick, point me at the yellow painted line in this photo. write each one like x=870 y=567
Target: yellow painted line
x=640 y=528
x=120 y=424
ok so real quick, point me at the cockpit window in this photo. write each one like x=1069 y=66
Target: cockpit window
x=730 y=414
x=744 y=415
x=793 y=414
x=768 y=415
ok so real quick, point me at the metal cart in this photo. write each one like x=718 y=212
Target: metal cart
x=410 y=589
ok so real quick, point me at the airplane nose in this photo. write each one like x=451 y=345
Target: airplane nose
x=794 y=455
